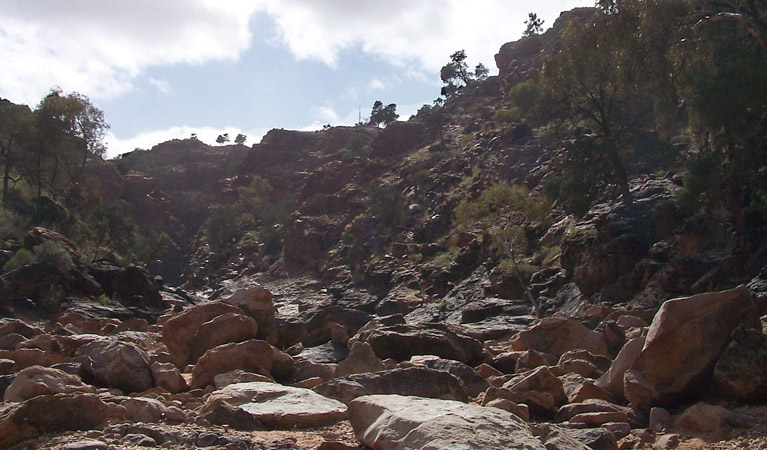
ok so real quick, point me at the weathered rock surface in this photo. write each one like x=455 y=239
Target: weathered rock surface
x=684 y=341
x=179 y=332
x=557 y=335
x=253 y=355
x=116 y=364
x=741 y=371
x=223 y=329
x=397 y=422
x=279 y=406
x=36 y=380
x=612 y=380
x=258 y=303
x=361 y=359
x=401 y=342
x=474 y=383
x=418 y=381
x=51 y=413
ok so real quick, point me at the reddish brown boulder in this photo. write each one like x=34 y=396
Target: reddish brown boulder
x=226 y=328
x=36 y=380
x=50 y=414
x=684 y=341
x=179 y=332
x=401 y=342
x=253 y=356
x=116 y=364
x=557 y=335
x=257 y=302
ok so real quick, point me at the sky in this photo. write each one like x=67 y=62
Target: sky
x=164 y=69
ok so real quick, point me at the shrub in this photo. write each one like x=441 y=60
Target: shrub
x=54 y=254
x=22 y=257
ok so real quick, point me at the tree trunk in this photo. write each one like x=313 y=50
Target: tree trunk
x=620 y=173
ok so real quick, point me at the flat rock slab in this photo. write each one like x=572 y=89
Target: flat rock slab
x=278 y=406
x=394 y=422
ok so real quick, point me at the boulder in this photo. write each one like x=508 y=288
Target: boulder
x=684 y=341
x=50 y=414
x=116 y=364
x=397 y=422
x=612 y=380
x=36 y=380
x=223 y=329
x=557 y=335
x=168 y=377
x=401 y=342
x=557 y=438
x=253 y=355
x=540 y=380
x=178 y=333
x=474 y=383
x=418 y=381
x=132 y=285
x=278 y=406
x=741 y=371
x=149 y=410
x=257 y=302
x=361 y=359
x=709 y=422
x=28 y=357
x=532 y=359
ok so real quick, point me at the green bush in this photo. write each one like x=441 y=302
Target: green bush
x=53 y=253
x=22 y=257
x=506 y=116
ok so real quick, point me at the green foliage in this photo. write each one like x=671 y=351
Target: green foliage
x=527 y=99
x=456 y=75
x=445 y=258
x=533 y=25
x=507 y=116
x=11 y=225
x=497 y=200
x=385 y=203
x=22 y=257
x=51 y=252
x=383 y=115
x=50 y=299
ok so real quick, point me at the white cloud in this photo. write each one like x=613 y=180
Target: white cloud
x=98 y=48
x=404 y=32
x=162 y=86
x=147 y=140
x=377 y=84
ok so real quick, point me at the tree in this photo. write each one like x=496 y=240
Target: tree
x=66 y=130
x=222 y=138
x=534 y=25
x=752 y=14
x=383 y=115
x=456 y=74
x=433 y=118
x=240 y=139
x=14 y=135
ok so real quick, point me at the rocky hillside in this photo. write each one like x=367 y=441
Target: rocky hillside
x=484 y=267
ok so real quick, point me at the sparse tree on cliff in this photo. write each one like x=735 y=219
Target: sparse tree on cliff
x=222 y=138
x=534 y=25
x=240 y=139
x=383 y=115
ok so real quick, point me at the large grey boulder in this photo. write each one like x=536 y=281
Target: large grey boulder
x=394 y=422
x=278 y=406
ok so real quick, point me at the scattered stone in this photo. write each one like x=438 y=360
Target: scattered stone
x=140 y=440
x=660 y=419
x=393 y=421
x=85 y=445
x=595 y=419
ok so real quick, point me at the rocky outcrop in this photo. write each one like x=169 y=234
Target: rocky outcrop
x=397 y=138
x=557 y=335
